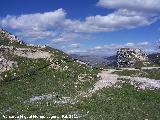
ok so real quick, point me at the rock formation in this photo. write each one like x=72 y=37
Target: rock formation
x=128 y=57
x=6 y=35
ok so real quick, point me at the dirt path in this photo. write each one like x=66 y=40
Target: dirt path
x=33 y=55
x=109 y=80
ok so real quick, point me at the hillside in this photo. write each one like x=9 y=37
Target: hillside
x=30 y=71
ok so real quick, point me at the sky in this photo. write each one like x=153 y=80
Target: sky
x=97 y=27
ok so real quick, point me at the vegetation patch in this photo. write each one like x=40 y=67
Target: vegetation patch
x=122 y=104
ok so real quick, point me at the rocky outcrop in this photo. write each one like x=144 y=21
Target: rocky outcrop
x=6 y=35
x=128 y=57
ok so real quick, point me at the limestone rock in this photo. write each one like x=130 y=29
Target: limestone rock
x=127 y=57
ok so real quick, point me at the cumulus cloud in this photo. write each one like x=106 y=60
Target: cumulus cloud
x=121 y=19
x=36 y=26
x=134 y=13
x=151 y=6
x=36 y=21
x=56 y=26
x=47 y=26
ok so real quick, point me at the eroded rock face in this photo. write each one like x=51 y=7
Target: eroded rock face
x=127 y=57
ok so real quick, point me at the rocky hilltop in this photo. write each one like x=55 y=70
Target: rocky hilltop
x=8 y=36
x=129 y=57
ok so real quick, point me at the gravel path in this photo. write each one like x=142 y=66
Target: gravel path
x=142 y=82
x=109 y=80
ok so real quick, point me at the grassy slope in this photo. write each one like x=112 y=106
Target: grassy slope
x=34 y=77
x=122 y=104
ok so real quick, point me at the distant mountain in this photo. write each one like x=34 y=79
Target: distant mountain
x=155 y=58
x=111 y=61
x=96 y=60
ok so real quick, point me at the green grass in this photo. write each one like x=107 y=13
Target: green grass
x=109 y=103
x=4 y=42
x=7 y=42
x=35 y=78
x=25 y=68
x=152 y=74
x=122 y=104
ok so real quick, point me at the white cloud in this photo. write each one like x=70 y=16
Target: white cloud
x=113 y=47
x=130 y=44
x=36 y=26
x=121 y=19
x=76 y=51
x=56 y=28
x=36 y=35
x=110 y=49
x=74 y=45
x=151 y=6
x=54 y=25
x=36 y=21
x=65 y=37
x=131 y=13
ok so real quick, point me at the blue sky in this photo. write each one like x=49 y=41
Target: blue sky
x=84 y=26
